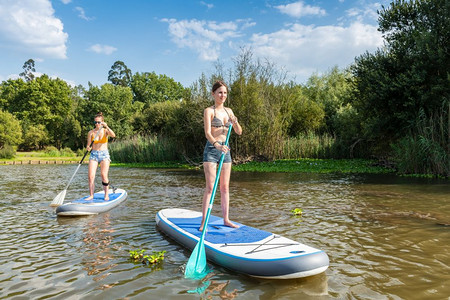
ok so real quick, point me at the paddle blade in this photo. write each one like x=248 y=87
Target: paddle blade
x=59 y=199
x=196 y=267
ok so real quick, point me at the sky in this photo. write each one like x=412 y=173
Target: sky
x=79 y=40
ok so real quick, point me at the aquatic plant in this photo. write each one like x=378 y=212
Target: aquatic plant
x=155 y=258
x=297 y=211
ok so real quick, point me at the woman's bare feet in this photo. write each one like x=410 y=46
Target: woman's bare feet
x=89 y=198
x=230 y=224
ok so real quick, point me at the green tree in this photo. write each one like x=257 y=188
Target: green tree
x=10 y=130
x=331 y=91
x=120 y=74
x=410 y=74
x=35 y=137
x=28 y=69
x=151 y=88
x=42 y=101
x=116 y=104
x=306 y=114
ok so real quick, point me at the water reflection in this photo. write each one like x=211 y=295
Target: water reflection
x=386 y=237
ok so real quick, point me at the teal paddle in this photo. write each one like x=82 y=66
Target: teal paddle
x=59 y=199
x=196 y=267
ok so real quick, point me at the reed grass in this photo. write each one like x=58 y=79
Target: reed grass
x=144 y=149
x=308 y=145
x=426 y=150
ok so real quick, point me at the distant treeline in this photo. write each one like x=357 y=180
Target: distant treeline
x=391 y=104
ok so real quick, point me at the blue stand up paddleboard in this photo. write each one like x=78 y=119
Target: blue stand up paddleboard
x=83 y=207
x=246 y=250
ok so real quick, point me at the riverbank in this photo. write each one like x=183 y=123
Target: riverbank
x=39 y=158
x=303 y=165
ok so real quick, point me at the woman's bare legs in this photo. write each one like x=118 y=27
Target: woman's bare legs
x=92 y=168
x=225 y=194
x=104 y=168
x=210 y=176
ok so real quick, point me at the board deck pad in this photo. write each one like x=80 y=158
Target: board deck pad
x=220 y=234
x=98 y=198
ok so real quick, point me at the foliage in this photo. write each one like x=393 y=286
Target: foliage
x=42 y=101
x=10 y=130
x=314 y=166
x=144 y=149
x=331 y=91
x=150 y=88
x=7 y=152
x=116 y=104
x=120 y=74
x=155 y=258
x=35 y=137
x=426 y=150
x=28 y=69
x=408 y=75
x=297 y=211
x=309 y=145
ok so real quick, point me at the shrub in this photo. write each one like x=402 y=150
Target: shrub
x=7 y=152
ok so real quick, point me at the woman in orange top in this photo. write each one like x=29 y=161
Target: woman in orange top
x=99 y=154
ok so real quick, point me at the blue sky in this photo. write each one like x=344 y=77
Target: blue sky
x=79 y=40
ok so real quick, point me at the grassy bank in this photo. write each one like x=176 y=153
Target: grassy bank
x=315 y=166
x=290 y=165
x=41 y=156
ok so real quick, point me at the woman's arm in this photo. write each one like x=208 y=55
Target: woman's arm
x=108 y=130
x=207 y=125
x=236 y=126
x=89 y=139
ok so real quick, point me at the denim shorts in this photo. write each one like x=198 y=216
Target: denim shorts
x=211 y=154
x=99 y=155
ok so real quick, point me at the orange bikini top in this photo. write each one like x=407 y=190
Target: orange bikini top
x=103 y=140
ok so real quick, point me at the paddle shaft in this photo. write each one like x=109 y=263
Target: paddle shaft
x=211 y=201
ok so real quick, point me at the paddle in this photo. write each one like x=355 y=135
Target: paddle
x=59 y=199
x=196 y=267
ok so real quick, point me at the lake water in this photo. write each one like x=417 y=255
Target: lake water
x=387 y=237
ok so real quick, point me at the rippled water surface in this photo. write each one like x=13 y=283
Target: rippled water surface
x=386 y=237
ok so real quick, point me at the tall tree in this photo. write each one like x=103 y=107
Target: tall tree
x=119 y=74
x=28 y=69
x=151 y=88
x=410 y=74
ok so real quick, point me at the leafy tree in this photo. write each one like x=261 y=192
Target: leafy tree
x=330 y=91
x=42 y=101
x=120 y=74
x=306 y=114
x=116 y=104
x=28 y=69
x=10 y=130
x=35 y=137
x=410 y=74
x=151 y=88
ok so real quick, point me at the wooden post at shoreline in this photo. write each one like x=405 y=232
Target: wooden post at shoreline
x=40 y=162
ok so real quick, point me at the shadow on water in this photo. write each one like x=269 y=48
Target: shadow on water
x=386 y=237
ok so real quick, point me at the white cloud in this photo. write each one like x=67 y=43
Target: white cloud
x=30 y=26
x=208 y=5
x=204 y=37
x=102 y=49
x=300 y=9
x=82 y=14
x=304 y=50
x=66 y=1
